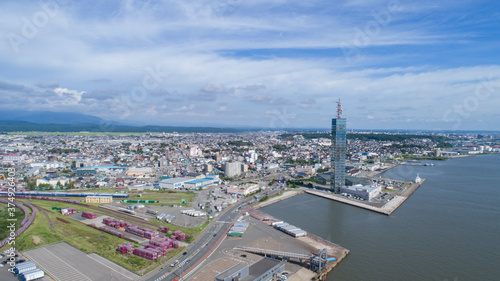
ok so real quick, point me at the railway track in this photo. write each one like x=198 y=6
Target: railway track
x=42 y=210
x=110 y=212
x=120 y=215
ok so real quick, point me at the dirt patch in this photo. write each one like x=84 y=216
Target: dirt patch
x=62 y=220
x=36 y=239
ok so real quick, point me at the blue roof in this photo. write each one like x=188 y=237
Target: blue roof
x=105 y=167
x=200 y=180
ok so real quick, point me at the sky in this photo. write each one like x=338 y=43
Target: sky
x=395 y=64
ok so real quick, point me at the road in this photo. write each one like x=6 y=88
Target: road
x=194 y=252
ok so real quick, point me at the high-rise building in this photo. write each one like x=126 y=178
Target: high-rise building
x=232 y=169
x=339 y=150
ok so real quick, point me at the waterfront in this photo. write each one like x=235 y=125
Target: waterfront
x=445 y=231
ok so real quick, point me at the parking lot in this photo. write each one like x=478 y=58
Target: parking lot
x=5 y=275
x=64 y=262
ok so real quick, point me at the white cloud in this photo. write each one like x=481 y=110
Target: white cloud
x=67 y=96
x=213 y=52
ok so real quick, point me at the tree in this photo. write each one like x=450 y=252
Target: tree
x=73 y=165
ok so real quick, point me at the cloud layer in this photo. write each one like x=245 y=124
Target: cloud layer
x=394 y=64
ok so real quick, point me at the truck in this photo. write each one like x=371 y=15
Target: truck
x=22 y=265
x=20 y=270
x=32 y=275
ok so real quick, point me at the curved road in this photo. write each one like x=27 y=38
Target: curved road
x=203 y=245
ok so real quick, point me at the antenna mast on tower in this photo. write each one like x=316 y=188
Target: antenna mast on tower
x=339 y=109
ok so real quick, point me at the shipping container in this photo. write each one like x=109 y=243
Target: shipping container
x=154 y=212
x=146 y=253
x=111 y=231
x=164 y=229
x=68 y=211
x=89 y=215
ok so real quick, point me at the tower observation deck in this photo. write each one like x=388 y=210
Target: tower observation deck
x=339 y=150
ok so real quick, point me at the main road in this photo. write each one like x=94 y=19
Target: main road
x=194 y=252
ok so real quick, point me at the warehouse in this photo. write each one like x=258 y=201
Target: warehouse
x=238 y=229
x=365 y=192
x=200 y=183
x=99 y=199
x=174 y=183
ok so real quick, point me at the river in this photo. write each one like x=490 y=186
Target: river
x=447 y=230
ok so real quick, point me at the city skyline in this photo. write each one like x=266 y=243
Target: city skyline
x=395 y=64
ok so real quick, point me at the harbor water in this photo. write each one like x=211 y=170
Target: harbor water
x=447 y=230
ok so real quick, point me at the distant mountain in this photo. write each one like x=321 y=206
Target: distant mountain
x=23 y=126
x=48 y=117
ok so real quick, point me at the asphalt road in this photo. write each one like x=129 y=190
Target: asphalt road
x=204 y=244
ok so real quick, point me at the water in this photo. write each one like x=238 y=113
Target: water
x=448 y=229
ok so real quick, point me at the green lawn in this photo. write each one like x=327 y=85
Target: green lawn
x=191 y=232
x=174 y=197
x=82 y=237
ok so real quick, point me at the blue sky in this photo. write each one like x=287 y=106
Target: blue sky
x=395 y=64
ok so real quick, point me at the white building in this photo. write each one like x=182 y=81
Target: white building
x=12 y=158
x=252 y=156
x=195 y=151
x=365 y=192
x=52 y=182
x=232 y=169
x=242 y=190
x=140 y=172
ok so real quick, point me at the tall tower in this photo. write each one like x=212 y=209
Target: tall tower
x=339 y=150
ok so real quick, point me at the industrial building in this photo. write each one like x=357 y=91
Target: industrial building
x=140 y=172
x=365 y=192
x=238 y=229
x=200 y=183
x=339 y=150
x=262 y=270
x=99 y=199
x=173 y=183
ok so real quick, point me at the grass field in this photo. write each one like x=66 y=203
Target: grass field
x=4 y=214
x=163 y=196
x=81 y=236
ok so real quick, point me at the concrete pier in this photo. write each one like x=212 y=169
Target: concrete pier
x=387 y=209
x=315 y=242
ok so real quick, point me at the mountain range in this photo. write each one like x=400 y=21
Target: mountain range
x=47 y=121
x=49 y=117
